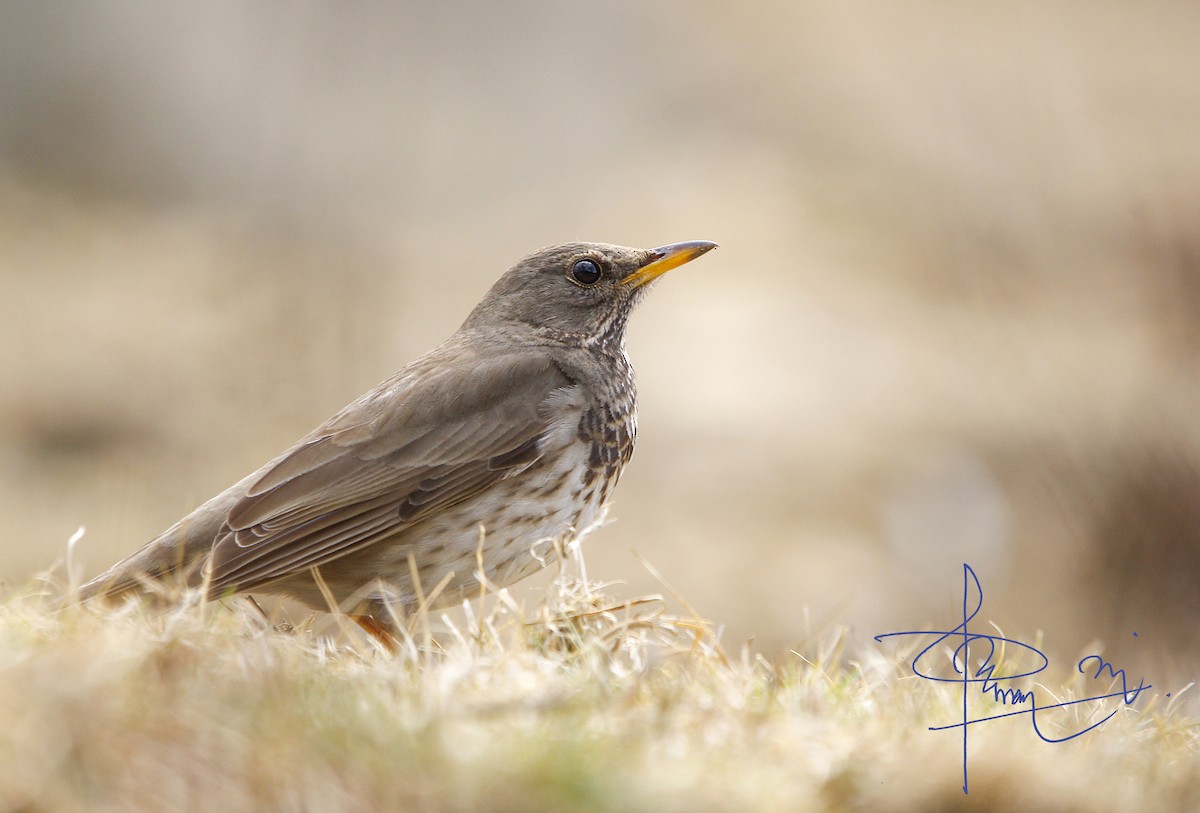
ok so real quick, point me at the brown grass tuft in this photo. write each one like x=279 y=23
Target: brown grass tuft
x=586 y=702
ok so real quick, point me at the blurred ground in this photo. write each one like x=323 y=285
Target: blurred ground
x=955 y=315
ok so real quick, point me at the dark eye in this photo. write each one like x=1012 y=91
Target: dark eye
x=586 y=272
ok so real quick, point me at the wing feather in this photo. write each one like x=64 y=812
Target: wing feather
x=424 y=440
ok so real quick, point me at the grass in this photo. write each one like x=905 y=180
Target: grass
x=584 y=703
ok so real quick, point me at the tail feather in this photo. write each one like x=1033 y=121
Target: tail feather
x=175 y=560
x=135 y=575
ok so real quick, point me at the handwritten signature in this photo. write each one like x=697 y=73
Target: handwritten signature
x=989 y=681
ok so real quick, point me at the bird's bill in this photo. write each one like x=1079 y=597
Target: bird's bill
x=664 y=258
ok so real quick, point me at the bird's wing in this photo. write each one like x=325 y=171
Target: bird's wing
x=421 y=441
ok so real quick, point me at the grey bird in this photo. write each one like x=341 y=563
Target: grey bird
x=508 y=436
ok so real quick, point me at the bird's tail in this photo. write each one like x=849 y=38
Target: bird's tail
x=145 y=572
x=171 y=563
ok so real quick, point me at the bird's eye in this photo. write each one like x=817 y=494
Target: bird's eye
x=586 y=272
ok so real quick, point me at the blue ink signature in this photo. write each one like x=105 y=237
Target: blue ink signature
x=990 y=681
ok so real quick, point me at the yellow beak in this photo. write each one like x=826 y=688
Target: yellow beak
x=665 y=258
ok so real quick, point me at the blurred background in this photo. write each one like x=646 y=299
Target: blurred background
x=955 y=315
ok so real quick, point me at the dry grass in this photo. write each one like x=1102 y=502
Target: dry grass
x=585 y=703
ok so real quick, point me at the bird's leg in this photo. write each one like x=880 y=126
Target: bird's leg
x=380 y=632
x=254 y=603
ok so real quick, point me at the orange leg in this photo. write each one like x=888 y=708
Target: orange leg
x=378 y=631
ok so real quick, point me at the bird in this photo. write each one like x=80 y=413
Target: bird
x=466 y=465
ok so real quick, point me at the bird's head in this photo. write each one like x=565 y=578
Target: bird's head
x=579 y=291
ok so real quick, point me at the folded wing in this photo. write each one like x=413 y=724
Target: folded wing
x=427 y=439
